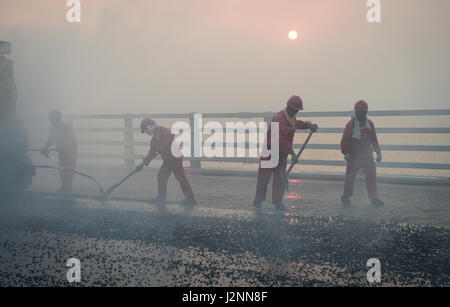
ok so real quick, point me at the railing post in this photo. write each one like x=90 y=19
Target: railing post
x=267 y=120
x=128 y=141
x=194 y=164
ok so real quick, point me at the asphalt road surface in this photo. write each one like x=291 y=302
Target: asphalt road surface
x=136 y=244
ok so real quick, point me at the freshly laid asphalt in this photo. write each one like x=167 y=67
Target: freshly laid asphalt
x=412 y=204
x=134 y=244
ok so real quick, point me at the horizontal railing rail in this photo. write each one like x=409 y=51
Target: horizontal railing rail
x=424 y=130
x=439 y=112
x=129 y=144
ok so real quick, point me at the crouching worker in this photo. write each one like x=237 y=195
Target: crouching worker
x=63 y=136
x=161 y=144
x=287 y=125
x=358 y=143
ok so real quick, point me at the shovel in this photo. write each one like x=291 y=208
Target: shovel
x=285 y=177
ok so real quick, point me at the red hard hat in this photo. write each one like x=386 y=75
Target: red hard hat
x=361 y=106
x=146 y=122
x=295 y=103
x=55 y=115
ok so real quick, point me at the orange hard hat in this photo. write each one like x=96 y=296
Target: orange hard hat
x=55 y=115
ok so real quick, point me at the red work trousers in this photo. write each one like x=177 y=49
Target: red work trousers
x=370 y=170
x=175 y=166
x=67 y=159
x=264 y=175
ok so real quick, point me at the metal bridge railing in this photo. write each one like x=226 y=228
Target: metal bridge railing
x=128 y=143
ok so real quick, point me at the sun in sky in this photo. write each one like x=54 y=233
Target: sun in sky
x=293 y=35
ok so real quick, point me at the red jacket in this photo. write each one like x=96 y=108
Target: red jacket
x=286 y=131
x=161 y=144
x=363 y=147
x=63 y=136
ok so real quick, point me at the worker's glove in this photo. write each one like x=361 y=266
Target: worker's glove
x=140 y=167
x=146 y=162
x=347 y=157
x=45 y=152
x=314 y=127
x=294 y=158
x=379 y=158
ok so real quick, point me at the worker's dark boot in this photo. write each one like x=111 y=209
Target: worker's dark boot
x=157 y=201
x=345 y=200
x=280 y=207
x=162 y=208
x=188 y=202
x=64 y=190
x=161 y=204
x=257 y=204
x=376 y=202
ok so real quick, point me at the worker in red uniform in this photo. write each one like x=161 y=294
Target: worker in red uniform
x=162 y=144
x=358 y=143
x=288 y=124
x=63 y=136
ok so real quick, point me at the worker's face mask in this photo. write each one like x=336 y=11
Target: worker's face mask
x=361 y=115
x=149 y=129
x=291 y=111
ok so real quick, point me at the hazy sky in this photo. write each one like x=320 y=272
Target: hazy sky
x=151 y=56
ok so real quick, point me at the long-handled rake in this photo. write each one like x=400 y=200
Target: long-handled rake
x=285 y=177
x=40 y=150
x=108 y=192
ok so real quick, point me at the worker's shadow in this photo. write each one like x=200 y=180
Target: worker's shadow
x=260 y=216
